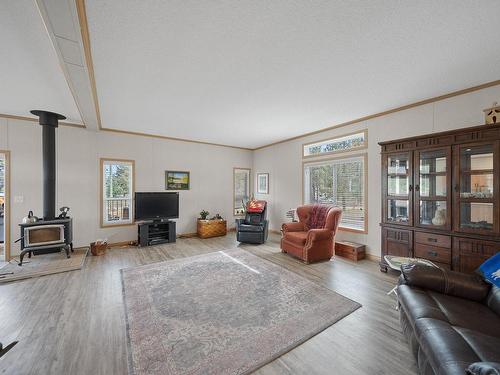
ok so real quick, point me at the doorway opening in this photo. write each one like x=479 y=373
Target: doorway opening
x=4 y=206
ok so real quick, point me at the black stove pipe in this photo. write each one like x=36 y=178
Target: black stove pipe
x=49 y=122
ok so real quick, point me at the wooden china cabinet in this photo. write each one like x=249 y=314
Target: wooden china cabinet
x=440 y=197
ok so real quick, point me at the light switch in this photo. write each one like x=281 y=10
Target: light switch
x=18 y=199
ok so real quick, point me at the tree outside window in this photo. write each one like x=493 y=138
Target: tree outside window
x=117 y=192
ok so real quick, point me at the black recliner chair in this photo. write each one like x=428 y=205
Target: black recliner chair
x=254 y=227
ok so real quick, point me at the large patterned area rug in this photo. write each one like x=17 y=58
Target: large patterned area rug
x=227 y=312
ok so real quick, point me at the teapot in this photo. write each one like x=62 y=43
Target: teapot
x=30 y=219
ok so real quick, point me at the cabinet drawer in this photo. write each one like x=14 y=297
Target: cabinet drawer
x=433 y=239
x=433 y=253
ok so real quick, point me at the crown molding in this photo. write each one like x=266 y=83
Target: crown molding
x=82 y=17
x=173 y=138
x=388 y=112
x=32 y=119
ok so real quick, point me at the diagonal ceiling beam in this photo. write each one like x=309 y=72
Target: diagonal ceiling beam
x=61 y=19
x=85 y=38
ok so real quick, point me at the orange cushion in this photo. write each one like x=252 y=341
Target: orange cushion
x=298 y=238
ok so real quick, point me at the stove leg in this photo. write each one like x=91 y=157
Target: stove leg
x=66 y=249
x=71 y=246
x=21 y=256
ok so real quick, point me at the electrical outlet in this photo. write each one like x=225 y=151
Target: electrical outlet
x=18 y=199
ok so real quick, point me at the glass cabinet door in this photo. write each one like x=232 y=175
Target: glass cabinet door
x=432 y=188
x=398 y=189
x=476 y=187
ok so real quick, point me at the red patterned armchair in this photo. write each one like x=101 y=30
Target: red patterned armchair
x=312 y=238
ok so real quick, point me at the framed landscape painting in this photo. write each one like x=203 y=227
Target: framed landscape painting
x=176 y=180
x=263 y=183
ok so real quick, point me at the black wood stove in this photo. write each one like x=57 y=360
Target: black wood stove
x=46 y=236
x=51 y=234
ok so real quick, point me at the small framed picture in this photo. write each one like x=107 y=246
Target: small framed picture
x=176 y=180
x=263 y=183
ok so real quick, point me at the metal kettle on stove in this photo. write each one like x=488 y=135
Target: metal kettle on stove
x=30 y=219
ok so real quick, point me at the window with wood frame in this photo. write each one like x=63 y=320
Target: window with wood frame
x=117 y=192
x=343 y=143
x=340 y=182
x=241 y=190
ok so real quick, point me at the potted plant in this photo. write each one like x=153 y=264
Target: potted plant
x=204 y=215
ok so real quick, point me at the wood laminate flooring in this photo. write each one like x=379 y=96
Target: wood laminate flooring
x=74 y=322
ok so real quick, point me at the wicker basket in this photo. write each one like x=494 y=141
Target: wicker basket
x=211 y=228
x=98 y=248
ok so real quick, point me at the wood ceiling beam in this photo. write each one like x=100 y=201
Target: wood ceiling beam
x=60 y=18
x=84 y=33
x=85 y=40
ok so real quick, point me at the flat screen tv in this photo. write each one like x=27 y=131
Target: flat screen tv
x=154 y=206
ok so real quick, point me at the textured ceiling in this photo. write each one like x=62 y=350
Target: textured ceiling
x=252 y=72
x=30 y=75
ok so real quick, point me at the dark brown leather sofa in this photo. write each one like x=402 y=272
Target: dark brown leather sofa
x=451 y=321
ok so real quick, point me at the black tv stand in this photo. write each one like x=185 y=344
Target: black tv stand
x=156 y=232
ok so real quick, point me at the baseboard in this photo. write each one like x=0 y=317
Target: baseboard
x=187 y=235
x=373 y=258
x=122 y=244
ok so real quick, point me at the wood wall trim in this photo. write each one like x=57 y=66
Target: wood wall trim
x=82 y=17
x=7 y=206
x=84 y=31
x=172 y=138
x=337 y=126
x=122 y=244
x=23 y=118
x=388 y=112
x=187 y=235
x=372 y=258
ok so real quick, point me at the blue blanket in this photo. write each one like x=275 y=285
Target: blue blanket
x=490 y=270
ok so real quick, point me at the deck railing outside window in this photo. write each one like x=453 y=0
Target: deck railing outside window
x=117 y=192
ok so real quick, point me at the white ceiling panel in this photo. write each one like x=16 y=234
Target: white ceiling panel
x=30 y=75
x=252 y=72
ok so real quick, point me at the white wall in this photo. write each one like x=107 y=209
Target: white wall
x=284 y=161
x=211 y=167
x=78 y=153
